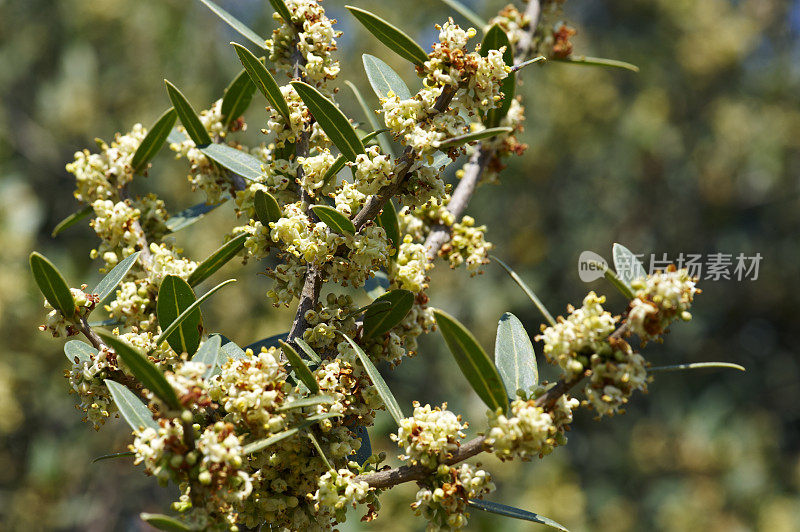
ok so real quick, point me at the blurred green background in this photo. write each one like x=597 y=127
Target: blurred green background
x=698 y=153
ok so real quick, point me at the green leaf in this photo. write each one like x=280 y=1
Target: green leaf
x=262 y=79
x=495 y=39
x=473 y=136
x=189 y=311
x=299 y=367
x=310 y=353
x=194 y=127
x=514 y=356
x=208 y=354
x=313 y=400
x=380 y=385
x=187 y=217
x=391 y=36
x=266 y=207
x=272 y=341
x=133 y=410
x=108 y=283
x=319 y=450
x=627 y=264
x=154 y=140
x=236 y=161
x=384 y=79
x=384 y=140
x=467 y=13
x=174 y=296
x=52 y=285
x=597 y=61
x=144 y=370
x=331 y=119
x=260 y=445
x=113 y=455
x=237 y=98
x=334 y=219
x=236 y=24
x=377 y=285
x=71 y=220
x=280 y=7
x=388 y=220
x=378 y=322
x=528 y=291
x=231 y=350
x=165 y=522
x=516 y=513
x=475 y=364
x=79 y=352
x=695 y=365
x=217 y=260
x=520 y=66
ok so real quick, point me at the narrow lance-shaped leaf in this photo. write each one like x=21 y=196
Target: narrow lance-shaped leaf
x=380 y=321
x=187 y=217
x=194 y=127
x=380 y=385
x=331 y=119
x=475 y=135
x=388 y=220
x=208 y=354
x=623 y=287
x=475 y=364
x=467 y=13
x=154 y=140
x=190 y=311
x=384 y=79
x=79 y=352
x=266 y=207
x=262 y=79
x=260 y=445
x=280 y=7
x=133 y=410
x=313 y=400
x=217 y=260
x=528 y=291
x=695 y=365
x=341 y=161
x=495 y=39
x=174 y=296
x=310 y=353
x=384 y=139
x=391 y=36
x=237 y=97
x=71 y=220
x=319 y=450
x=113 y=455
x=334 y=219
x=235 y=23
x=144 y=370
x=52 y=285
x=515 y=513
x=236 y=161
x=165 y=522
x=108 y=283
x=627 y=264
x=300 y=368
x=514 y=356
x=597 y=61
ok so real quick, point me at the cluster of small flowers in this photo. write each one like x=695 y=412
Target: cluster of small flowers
x=528 y=430
x=430 y=436
x=161 y=449
x=443 y=498
x=372 y=170
x=113 y=223
x=288 y=278
x=188 y=381
x=467 y=244
x=368 y=250
x=86 y=380
x=311 y=33
x=513 y=22
x=616 y=373
x=133 y=304
x=339 y=489
x=58 y=325
x=336 y=316
x=571 y=341
x=314 y=169
x=660 y=299
x=313 y=242
x=409 y=270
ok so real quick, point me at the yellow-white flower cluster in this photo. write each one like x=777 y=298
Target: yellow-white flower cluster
x=339 y=489
x=660 y=299
x=443 y=498
x=512 y=21
x=409 y=269
x=430 y=436
x=467 y=245
x=616 y=374
x=57 y=325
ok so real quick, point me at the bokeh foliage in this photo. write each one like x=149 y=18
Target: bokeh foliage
x=698 y=153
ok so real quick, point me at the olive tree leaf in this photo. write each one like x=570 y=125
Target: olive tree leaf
x=516 y=513
x=154 y=140
x=262 y=79
x=300 y=368
x=312 y=400
x=475 y=364
x=236 y=161
x=378 y=321
x=473 y=136
x=388 y=220
x=235 y=23
x=514 y=356
x=310 y=353
x=626 y=264
x=380 y=385
x=383 y=79
x=194 y=127
x=517 y=279
x=78 y=352
x=231 y=350
x=52 y=285
x=113 y=455
x=174 y=296
x=260 y=445
x=133 y=410
x=237 y=97
x=390 y=35
x=331 y=119
x=208 y=354
x=187 y=217
x=695 y=365
x=384 y=139
x=217 y=260
x=280 y=7
x=495 y=39
x=334 y=219
x=71 y=220
x=165 y=522
x=112 y=279
x=266 y=207
x=596 y=61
